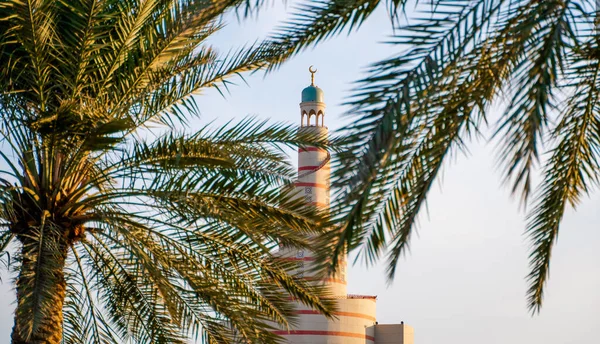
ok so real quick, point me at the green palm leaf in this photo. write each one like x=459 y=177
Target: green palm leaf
x=571 y=172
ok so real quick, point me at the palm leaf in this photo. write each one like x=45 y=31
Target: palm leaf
x=570 y=173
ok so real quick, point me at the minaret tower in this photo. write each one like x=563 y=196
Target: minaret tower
x=355 y=323
x=314 y=170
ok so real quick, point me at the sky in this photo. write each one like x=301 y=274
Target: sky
x=464 y=278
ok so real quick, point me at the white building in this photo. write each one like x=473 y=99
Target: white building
x=356 y=321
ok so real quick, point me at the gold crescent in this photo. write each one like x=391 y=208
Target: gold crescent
x=310 y=69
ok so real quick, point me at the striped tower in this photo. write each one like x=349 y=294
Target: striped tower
x=356 y=313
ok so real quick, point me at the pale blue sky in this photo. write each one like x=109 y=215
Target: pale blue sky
x=463 y=281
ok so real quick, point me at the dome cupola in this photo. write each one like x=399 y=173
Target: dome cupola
x=312 y=94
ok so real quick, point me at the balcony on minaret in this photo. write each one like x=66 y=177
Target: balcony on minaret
x=313 y=118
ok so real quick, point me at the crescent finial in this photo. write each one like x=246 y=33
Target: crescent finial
x=312 y=75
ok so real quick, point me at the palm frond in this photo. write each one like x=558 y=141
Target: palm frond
x=31 y=25
x=129 y=297
x=410 y=115
x=315 y=21
x=84 y=320
x=526 y=119
x=570 y=173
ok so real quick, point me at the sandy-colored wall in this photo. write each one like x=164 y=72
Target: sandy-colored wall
x=394 y=334
x=354 y=325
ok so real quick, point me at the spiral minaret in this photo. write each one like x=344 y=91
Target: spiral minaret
x=356 y=313
x=355 y=321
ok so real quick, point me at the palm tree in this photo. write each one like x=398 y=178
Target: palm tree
x=455 y=60
x=125 y=234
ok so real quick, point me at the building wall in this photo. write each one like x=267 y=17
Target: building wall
x=354 y=324
x=394 y=334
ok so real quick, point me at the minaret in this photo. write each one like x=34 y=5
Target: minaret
x=355 y=322
x=314 y=172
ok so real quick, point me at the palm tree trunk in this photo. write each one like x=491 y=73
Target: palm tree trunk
x=41 y=289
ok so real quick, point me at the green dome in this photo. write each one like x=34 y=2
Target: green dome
x=313 y=94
